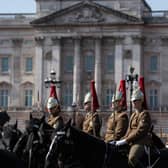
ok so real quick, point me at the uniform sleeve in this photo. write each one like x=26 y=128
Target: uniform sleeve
x=121 y=127
x=144 y=125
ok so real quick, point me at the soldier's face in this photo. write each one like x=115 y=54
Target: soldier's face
x=116 y=105
x=55 y=110
x=137 y=104
x=87 y=106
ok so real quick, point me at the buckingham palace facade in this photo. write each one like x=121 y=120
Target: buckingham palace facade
x=82 y=40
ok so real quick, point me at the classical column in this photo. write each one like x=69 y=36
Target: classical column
x=39 y=71
x=98 y=68
x=136 y=54
x=118 y=59
x=76 y=72
x=56 y=61
x=16 y=73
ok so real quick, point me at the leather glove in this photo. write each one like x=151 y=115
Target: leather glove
x=121 y=142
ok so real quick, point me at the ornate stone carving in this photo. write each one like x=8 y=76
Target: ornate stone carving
x=39 y=40
x=148 y=41
x=87 y=15
x=128 y=54
x=137 y=39
x=56 y=40
x=164 y=40
x=119 y=39
x=17 y=42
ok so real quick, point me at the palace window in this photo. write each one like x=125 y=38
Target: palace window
x=68 y=63
x=28 y=97
x=89 y=63
x=153 y=98
x=109 y=63
x=4 y=64
x=68 y=94
x=108 y=97
x=4 y=94
x=29 y=64
x=154 y=63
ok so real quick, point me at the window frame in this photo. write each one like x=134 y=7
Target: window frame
x=8 y=63
x=26 y=65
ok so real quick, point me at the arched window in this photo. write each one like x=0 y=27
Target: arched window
x=28 y=90
x=4 y=94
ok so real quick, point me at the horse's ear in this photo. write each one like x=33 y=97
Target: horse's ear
x=30 y=116
x=42 y=118
x=16 y=124
x=69 y=122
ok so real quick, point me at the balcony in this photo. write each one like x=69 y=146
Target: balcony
x=156 y=16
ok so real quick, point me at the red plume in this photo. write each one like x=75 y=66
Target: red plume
x=122 y=89
x=53 y=92
x=142 y=88
x=95 y=103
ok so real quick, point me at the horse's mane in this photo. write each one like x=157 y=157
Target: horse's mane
x=85 y=138
x=89 y=149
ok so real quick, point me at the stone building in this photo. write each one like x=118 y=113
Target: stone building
x=82 y=40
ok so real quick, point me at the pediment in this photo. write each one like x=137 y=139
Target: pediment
x=85 y=13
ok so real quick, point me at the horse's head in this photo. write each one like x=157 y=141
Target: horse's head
x=61 y=145
x=33 y=124
x=11 y=135
x=71 y=145
x=4 y=117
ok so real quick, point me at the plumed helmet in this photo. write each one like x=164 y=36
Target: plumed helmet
x=87 y=98
x=137 y=95
x=52 y=102
x=117 y=96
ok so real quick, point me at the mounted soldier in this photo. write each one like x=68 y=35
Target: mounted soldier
x=117 y=123
x=138 y=135
x=92 y=122
x=55 y=119
x=4 y=118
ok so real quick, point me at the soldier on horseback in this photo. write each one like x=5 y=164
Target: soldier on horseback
x=91 y=124
x=55 y=119
x=117 y=123
x=138 y=134
x=4 y=118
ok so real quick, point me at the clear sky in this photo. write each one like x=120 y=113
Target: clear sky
x=27 y=6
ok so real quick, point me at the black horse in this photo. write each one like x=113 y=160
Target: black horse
x=10 y=135
x=10 y=160
x=34 y=143
x=4 y=117
x=77 y=149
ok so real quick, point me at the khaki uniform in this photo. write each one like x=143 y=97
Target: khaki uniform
x=138 y=135
x=139 y=128
x=56 y=122
x=117 y=125
x=92 y=124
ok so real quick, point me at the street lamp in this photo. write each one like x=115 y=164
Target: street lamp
x=130 y=79
x=51 y=81
x=74 y=105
